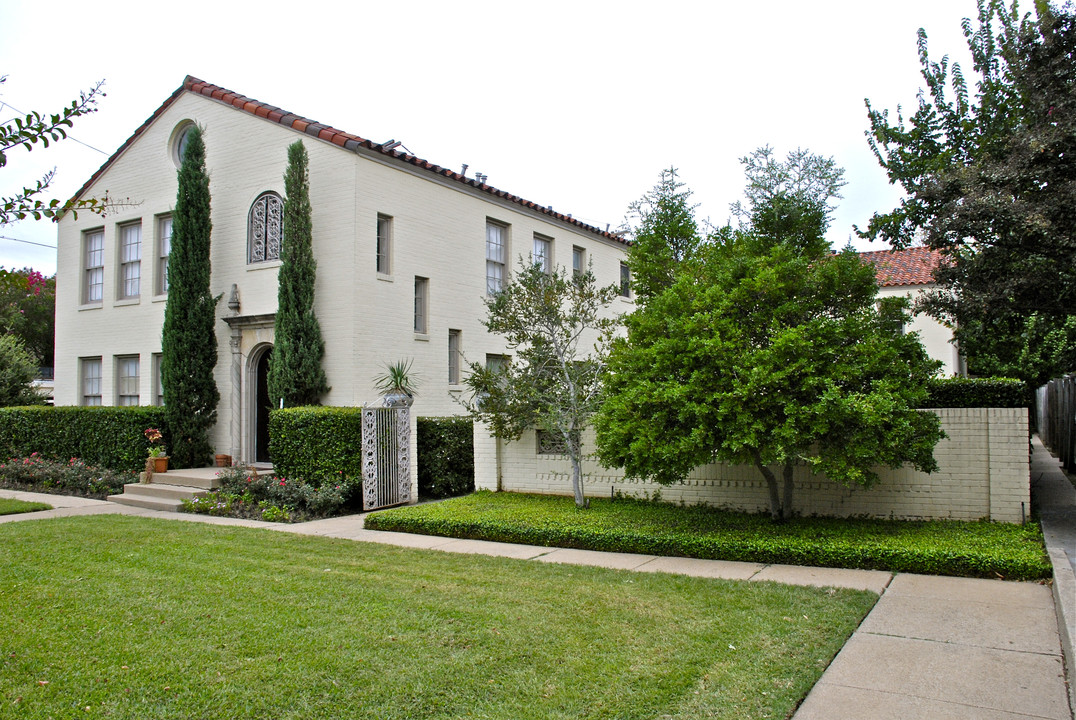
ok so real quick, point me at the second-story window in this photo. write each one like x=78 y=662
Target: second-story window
x=94 y=264
x=384 y=244
x=265 y=228
x=130 y=260
x=542 y=255
x=496 y=252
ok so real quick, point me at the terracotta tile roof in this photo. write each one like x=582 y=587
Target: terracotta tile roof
x=913 y=266
x=337 y=137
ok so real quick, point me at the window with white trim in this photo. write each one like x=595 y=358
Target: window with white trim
x=579 y=261
x=455 y=351
x=384 y=244
x=265 y=228
x=422 y=300
x=164 y=249
x=542 y=254
x=158 y=386
x=90 y=379
x=130 y=260
x=126 y=380
x=625 y=280
x=496 y=252
x=93 y=262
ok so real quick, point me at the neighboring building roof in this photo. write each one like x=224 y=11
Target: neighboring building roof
x=913 y=266
x=337 y=137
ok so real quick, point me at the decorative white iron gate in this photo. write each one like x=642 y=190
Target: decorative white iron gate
x=386 y=457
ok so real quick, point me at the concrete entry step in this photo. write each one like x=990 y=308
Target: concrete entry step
x=157 y=496
x=204 y=478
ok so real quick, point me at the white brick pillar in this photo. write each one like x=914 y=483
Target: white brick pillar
x=1010 y=466
x=486 y=458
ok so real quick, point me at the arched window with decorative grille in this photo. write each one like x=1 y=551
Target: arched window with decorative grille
x=265 y=228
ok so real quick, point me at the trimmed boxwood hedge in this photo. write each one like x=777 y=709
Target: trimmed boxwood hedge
x=445 y=457
x=315 y=443
x=319 y=444
x=961 y=392
x=970 y=549
x=108 y=437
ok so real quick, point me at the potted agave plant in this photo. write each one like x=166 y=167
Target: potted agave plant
x=397 y=384
x=156 y=449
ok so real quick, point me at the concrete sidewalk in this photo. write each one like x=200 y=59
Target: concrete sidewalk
x=932 y=648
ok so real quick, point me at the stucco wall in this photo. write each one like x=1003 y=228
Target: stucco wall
x=983 y=472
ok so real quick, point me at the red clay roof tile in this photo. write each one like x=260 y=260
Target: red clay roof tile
x=913 y=266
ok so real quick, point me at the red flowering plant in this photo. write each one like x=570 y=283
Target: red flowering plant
x=156 y=442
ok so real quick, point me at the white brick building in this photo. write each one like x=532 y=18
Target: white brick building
x=405 y=250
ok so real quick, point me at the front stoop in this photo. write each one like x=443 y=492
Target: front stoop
x=168 y=490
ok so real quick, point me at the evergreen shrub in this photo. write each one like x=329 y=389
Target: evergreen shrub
x=318 y=444
x=445 y=457
x=106 y=437
x=961 y=392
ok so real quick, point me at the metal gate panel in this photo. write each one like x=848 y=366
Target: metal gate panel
x=386 y=457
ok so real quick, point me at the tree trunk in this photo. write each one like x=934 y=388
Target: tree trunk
x=771 y=484
x=786 y=505
x=577 y=482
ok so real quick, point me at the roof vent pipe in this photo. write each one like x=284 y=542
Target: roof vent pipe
x=463 y=172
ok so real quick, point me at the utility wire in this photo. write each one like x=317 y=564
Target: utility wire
x=28 y=242
x=69 y=137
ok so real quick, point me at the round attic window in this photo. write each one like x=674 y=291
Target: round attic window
x=179 y=141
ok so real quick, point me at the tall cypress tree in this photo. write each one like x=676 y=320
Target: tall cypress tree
x=295 y=372
x=189 y=342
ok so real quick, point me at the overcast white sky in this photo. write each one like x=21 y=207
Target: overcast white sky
x=578 y=105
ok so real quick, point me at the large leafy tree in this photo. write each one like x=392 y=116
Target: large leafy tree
x=558 y=328
x=768 y=350
x=990 y=176
x=189 y=341
x=33 y=130
x=663 y=234
x=27 y=311
x=295 y=372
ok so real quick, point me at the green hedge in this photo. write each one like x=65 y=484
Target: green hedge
x=943 y=547
x=323 y=444
x=109 y=437
x=445 y=457
x=316 y=444
x=963 y=392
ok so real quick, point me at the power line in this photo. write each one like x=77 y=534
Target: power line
x=4 y=104
x=28 y=242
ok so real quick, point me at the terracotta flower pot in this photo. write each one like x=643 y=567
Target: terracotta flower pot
x=224 y=461
x=160 y=464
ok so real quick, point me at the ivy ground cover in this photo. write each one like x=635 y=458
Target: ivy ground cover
x=127 y=617
x=972 y=549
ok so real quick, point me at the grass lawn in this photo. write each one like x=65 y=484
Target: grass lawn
x=126 y=617
x=10 y=506
x=946 y=547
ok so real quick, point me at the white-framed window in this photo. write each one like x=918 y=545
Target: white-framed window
x=265 y=228
x=542 y=255
x=164 y=249
x=455 y=350
x=496 y=362
x=126 y=380
x=130 y=260
x=93 y=261
x=158 y=386
x=579 y=261
x=625 y=280
x=384 y=244
x=90 y=378
x=422 y=305
x=496 y=253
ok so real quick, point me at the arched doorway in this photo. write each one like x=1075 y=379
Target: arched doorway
x=262 y=405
